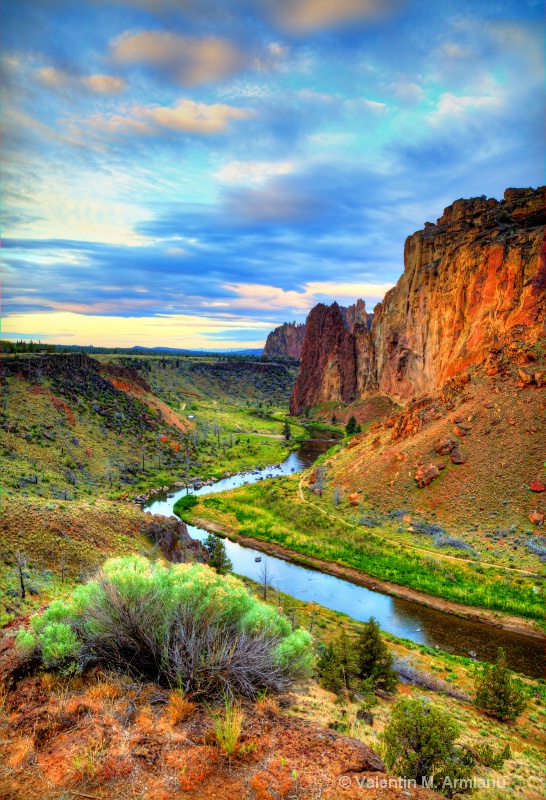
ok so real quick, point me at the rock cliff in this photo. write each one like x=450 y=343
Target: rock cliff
x=286 y=341
x=473 y=283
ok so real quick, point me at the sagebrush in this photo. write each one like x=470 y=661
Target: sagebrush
x=179 y=625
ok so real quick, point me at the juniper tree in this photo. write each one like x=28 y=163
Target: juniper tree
x=373 y=659
x=219 y=559
x=497 y=692
x=420 y=745
x=351 y=426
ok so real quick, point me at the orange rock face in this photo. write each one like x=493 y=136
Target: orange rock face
x=472 y=284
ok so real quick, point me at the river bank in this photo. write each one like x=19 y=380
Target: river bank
x=502 y=621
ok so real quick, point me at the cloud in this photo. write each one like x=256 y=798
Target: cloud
x=98 y=84
x=407 y=91
x=178 y=330
x=460 y=106
x=190 y=61
x=257 y=297
x=252 y=171
x=186 y=117
x=304 y=16
x=455 y=50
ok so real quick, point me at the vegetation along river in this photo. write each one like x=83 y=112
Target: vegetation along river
x=404 y=618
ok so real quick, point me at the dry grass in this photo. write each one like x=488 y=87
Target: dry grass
x=267 y=706
x=178 y=707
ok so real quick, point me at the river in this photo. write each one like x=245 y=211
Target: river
x=404 y=618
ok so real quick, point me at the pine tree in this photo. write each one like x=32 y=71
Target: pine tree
x=373 y=659
x=286 y=430
x=219 y=559
x=351 y=426
x=497 y=692
x=337 y=665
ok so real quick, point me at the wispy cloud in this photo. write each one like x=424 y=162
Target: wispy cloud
x=99 y=84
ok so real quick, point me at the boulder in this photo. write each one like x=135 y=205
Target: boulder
x=537 y=486
x=444 y=447
x=456 y=456
x=354 y=499
x=537 y=518
x=425 y=474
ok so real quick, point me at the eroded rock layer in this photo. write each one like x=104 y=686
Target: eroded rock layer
x=472 y=283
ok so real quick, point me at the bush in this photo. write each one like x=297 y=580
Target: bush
x=185 y=504
x=180 y=625
x=491 y=758
x=497 y=692
x=420 y=744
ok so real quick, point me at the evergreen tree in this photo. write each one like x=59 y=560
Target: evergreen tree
x=334 y=419
x=373 y=659
x=286 y=430
x=219 y=559
x=351 y=426
x=337 y=665
x=419 y=744
x=497 y=692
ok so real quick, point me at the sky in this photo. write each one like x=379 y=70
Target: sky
x=192 y=173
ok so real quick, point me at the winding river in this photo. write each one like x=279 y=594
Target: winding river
x=403 y=618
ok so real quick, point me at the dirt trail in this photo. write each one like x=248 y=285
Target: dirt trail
x=433 y=553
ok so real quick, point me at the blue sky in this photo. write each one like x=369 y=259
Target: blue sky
x=194 y=172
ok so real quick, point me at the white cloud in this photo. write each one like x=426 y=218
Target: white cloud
x=257 y=297
x=252 y=171
x=460 y=106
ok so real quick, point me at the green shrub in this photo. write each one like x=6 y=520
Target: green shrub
x=498 y=692
x=491 y=758
x=218 y=557
x=185 y=504
x=26 y=642
x=420 y=744
x=337 y=665
x=180 y=624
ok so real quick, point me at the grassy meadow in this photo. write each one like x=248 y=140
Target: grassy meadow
x=273 y=511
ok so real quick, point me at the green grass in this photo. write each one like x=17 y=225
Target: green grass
x=273 y=512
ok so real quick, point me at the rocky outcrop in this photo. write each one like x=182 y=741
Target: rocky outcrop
x=337 y=359
x=473 y=283
x=172 y=537
x=124 y=375
x=286 y=341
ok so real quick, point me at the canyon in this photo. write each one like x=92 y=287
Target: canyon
x=473 y=284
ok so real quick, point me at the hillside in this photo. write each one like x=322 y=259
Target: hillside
x=447 y=383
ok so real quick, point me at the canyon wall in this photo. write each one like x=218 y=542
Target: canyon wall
x=472 y=283
x=286 y=341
